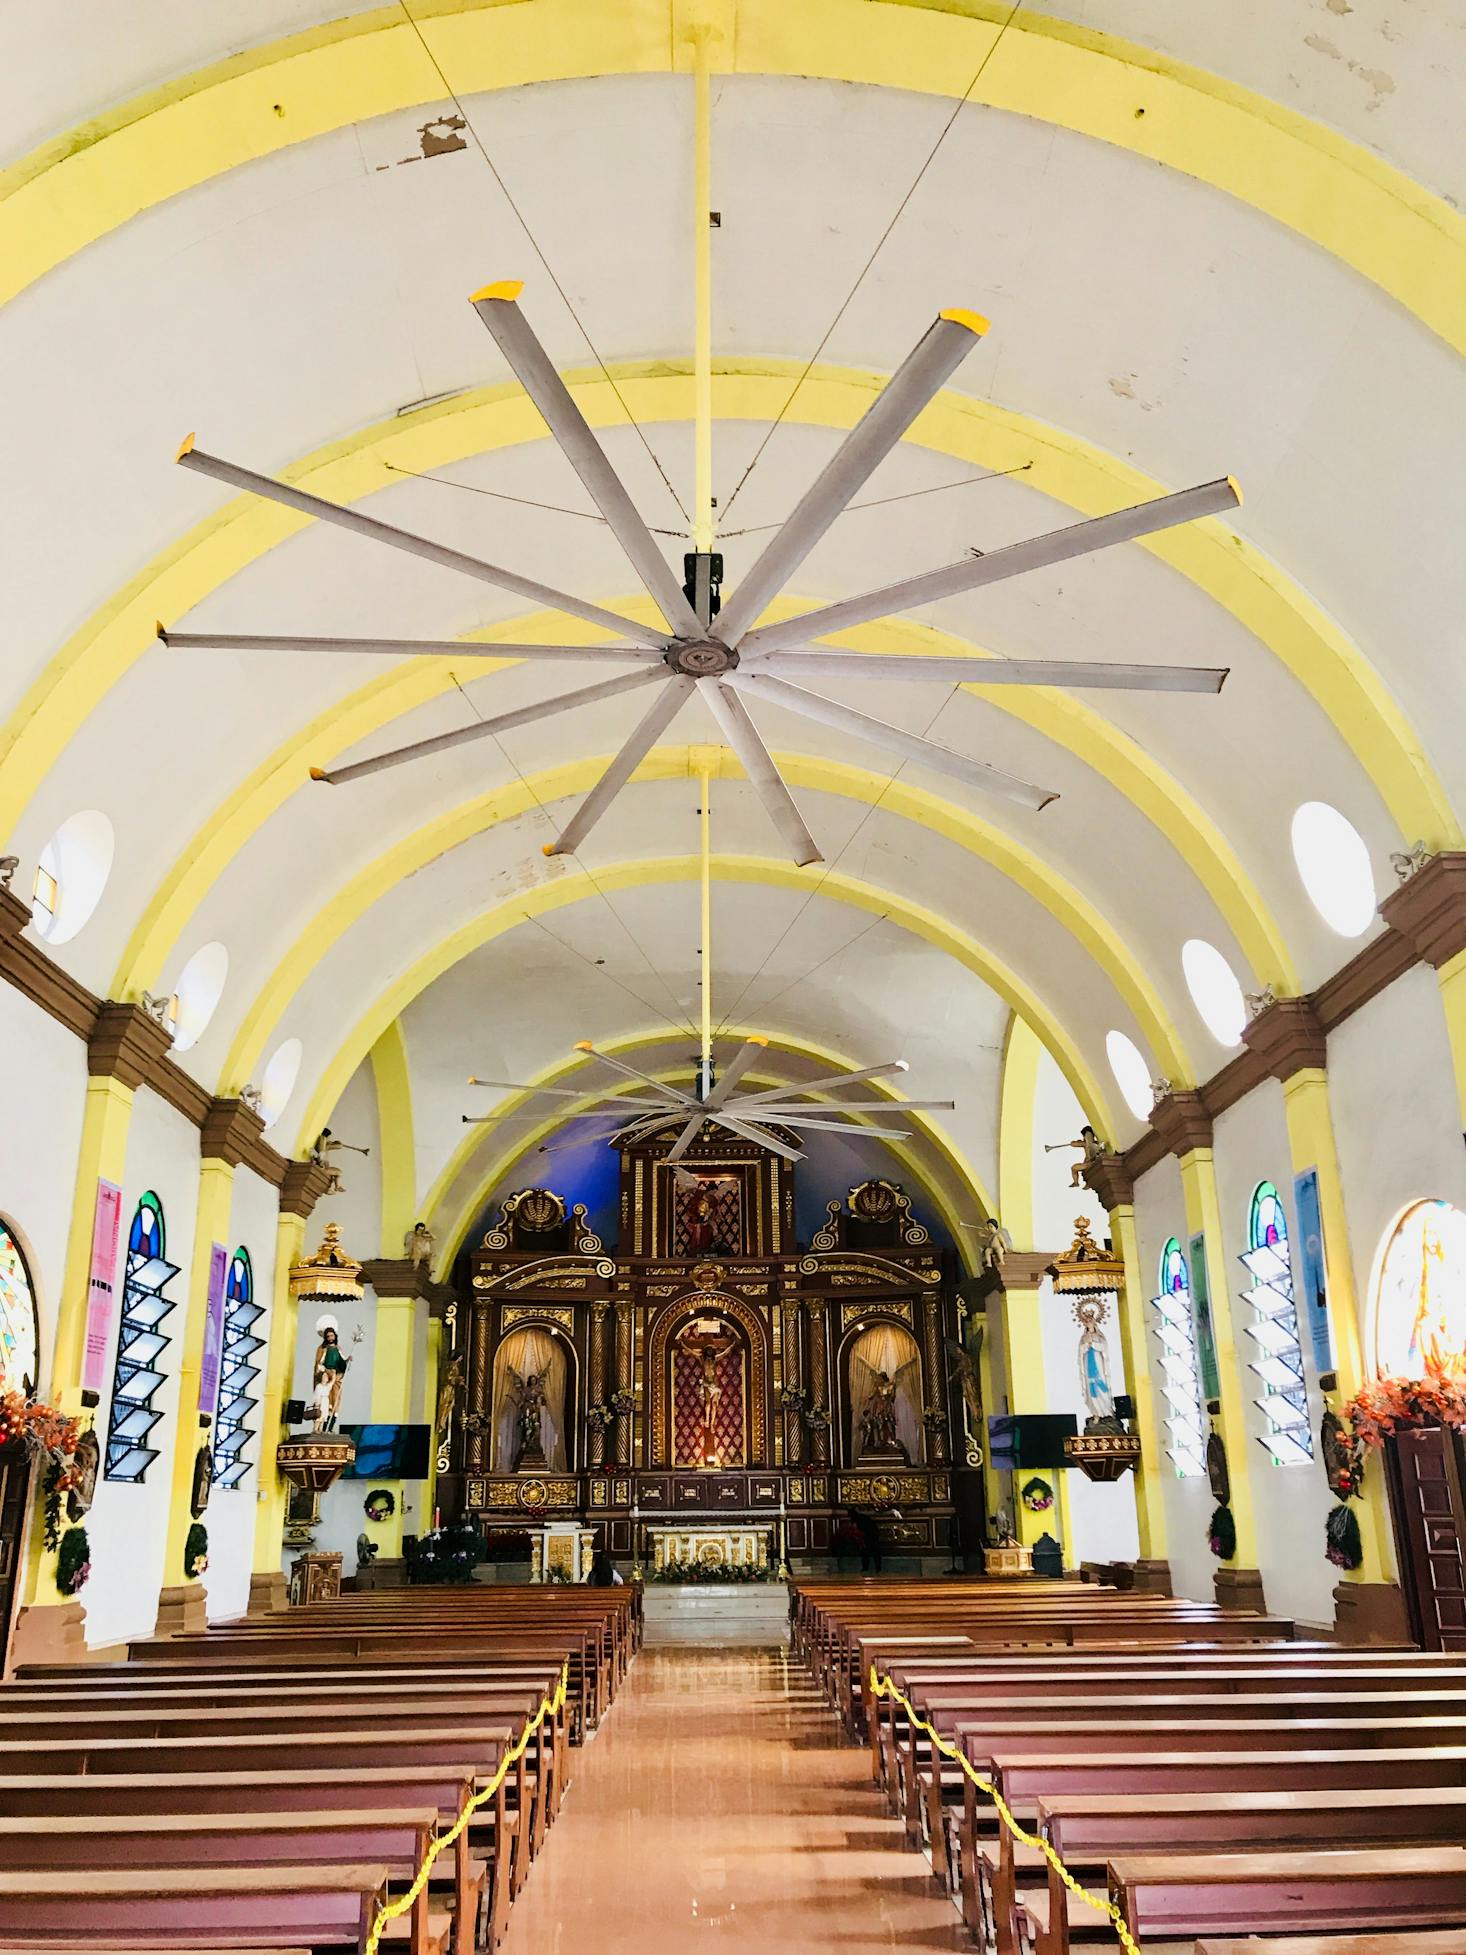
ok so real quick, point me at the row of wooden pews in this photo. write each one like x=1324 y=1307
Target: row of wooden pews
x=272 y=1784
x=1230 y=1787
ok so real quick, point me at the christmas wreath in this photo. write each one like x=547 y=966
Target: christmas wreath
x=73 y=1561
x=1221 y=1534
x=195 y=1552
x=380 y=1504
x=1037 y=1496
x=1341 y=1536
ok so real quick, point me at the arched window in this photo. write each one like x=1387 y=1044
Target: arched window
x=232 y=1432
x=140 y=1344
x=1176 y=1330
x=1274 y=1330
x=20 y=1331
x=1420 y=1294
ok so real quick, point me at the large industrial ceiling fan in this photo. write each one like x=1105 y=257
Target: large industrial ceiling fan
x=718 y=650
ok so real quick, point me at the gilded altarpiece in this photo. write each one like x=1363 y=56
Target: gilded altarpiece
x=708 y=1364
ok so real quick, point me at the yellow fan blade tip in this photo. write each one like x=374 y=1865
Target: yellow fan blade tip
x=185 y=447
x=973 y=321
x=507 y=289
x=584 y=1045
x=318 y=773
x=1236 y=487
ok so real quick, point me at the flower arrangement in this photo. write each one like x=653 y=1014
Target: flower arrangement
x=1221 y=1534
x=934 y=1418
x=38 y=1426
x=1343 y=1545
x=793 y=1398
x=623 y=1403
x=1387 y=1403
x=195 y=1552
x=73 y=1561
x=600 y=1416
x=710 y=1571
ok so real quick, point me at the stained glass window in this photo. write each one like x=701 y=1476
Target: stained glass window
x=238 y=1373
x=1180 y=1373
x=1278 y=1363
x=19 y=1331
x=1420 y=1294
x=140 y=1345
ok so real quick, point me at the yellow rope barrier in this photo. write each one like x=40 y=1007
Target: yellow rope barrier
x=549 y=1707
x=883 y=1687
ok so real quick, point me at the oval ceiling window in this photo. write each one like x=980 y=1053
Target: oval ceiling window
x=1214 y=990
x=71 y=873
x=1334 y=863
x=200 y=985
x=1132 y=1074
x=20 y=1367
x=278 y=1082
x=1420 y=1294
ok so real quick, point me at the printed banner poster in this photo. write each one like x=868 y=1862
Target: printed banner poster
x=1315 y=1275
x=102 y=1286
x=213 y=1332
x=1206 y=1337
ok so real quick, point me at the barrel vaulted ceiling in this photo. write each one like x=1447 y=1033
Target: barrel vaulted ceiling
x=1209 y=239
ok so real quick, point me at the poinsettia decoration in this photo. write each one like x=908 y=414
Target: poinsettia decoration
x=37 y=1425
x=1387 y=1403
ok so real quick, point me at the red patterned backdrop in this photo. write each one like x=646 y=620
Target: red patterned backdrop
x=725 y=1233
x=687 y=1407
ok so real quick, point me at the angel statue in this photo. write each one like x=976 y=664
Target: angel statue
x=1091 y=1149
x=878 y=1438
x=995 y=1245
x=418 y=1244
x=529 y=1409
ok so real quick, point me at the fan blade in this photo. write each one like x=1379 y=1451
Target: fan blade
x=817 y=663
x=747 y=1053
x=824 y=1083
x=845 y=719
x=1056 y=546
x=459 y=648
x=764 y=777
x=802 y=1125
x=683 y=1141
x=542 y=709
x=791 y=1109
x=497 y=306
x=674 y=1094
x=759 y=1137
x=418 y=546
x=926 y=367
x=648 y=730
x=567 y=1093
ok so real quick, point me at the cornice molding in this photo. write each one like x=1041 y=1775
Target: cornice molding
x=1287 y=1037
x=1429 y=909
x=1372 y=970
x=397 y=1277
x=230 y=1131
x=1110 y=1179
x=26 y=966
x=127 y=1044
x=1183 y=1122
x=301 y=1186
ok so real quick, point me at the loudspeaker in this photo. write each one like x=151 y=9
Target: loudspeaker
x=294 y=1412
x=1124 y=1407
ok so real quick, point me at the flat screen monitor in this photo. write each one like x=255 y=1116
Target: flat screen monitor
x=1028 y=1439
x=388 y=1452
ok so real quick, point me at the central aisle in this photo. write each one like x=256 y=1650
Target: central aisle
x=720 y=1806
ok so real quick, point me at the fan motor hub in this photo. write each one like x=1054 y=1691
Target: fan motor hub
x=701 y=658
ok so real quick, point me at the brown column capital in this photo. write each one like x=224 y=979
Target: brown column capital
x=1111 y=1181
x=14 y=914
x=230 y=1133
x=1182 y=1121
x=304 y=1184
x=395 y=1276
x=1429 y=908
x=126 y=1044
x=1287 y=1037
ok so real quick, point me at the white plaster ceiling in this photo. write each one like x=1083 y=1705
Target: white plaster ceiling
x=302 y=299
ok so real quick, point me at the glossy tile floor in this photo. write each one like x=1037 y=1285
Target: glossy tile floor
x=719 y=1807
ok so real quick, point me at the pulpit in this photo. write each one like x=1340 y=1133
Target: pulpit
x=314 y=1577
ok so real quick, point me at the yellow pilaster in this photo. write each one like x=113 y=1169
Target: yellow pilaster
x=1150 y=1499
x=102 y=1157
x=1024 y=1355
x=1311 y=1145
x=1452 y=976
x=279 y=1375
x=396 y=1320
x=395 y=1139
x=216 y=1194
x=1204 y=1216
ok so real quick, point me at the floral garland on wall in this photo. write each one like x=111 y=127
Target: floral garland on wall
x=1385 y=1404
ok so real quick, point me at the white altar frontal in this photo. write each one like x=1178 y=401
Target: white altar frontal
x=710 y=1547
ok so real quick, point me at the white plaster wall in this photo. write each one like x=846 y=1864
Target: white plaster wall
x=128 y=1524
x=1101 y=1518
x=230 y=1515
x=1057 y=1117
x=358 y=1211
x=1397 y=1119
x=1291 y=1503
x=45 y=1077
x=1159 y=1213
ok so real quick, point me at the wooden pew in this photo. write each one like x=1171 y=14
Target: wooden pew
x=250 y=1907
